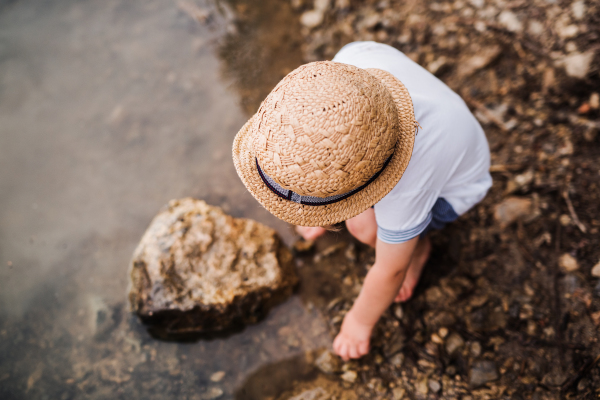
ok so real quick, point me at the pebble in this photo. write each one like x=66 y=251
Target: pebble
x=398 y=311
x=568 y=263
x=454 y=342
x=512 y=209
x=475 y=349
x=595 y=101
x=510 y=21
x=217 y=376
x=434 y=386
x=443 y=332
x=312 y=18
x=421 y=386
x=213 y=393
x=596 y=270
x=397 y=360
x=398 y=393
x=483 y=371
x=578 y=9
x=349 y=376
x=577 y=65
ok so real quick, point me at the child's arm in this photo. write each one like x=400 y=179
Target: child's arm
x=379 y=289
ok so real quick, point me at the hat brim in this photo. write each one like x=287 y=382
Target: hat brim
x=244 y=160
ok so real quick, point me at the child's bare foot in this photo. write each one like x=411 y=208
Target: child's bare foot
x=310 y=232
x=419 y=258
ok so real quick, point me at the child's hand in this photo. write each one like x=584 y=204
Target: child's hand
x=353 y=339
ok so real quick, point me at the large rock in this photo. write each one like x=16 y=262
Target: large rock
x=198 y=270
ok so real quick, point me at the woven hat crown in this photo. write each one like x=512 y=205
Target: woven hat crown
x=325 y=129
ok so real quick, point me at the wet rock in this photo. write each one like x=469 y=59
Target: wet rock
x=596 y=270
x=197 y=269
x=513 y=209
x=328 y=362
x=481 y=372
x=568 y=263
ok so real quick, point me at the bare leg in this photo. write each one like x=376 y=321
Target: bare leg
x=417 y=262
x=310 y=232
x=364 y=227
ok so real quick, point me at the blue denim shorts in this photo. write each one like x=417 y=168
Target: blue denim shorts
x=442 y=213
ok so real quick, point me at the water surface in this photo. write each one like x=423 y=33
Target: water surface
x=109 y=109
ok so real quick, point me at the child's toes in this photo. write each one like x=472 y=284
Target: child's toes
x=363 y=348
x=353 y=351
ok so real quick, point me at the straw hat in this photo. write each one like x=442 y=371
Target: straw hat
x=327 y=143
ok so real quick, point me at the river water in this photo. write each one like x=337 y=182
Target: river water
x=109 y=109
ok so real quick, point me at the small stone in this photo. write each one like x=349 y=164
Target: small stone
x=483 y=371
x=421 y=386
x=594 y=101
x=568 y=263
x=312 y=394
x=564 y=220
x=302 y=246
x=475 y=349
x=328 y=363
x=434 y=386
x=513 y=209
x=312 y=18
x=454 y=343
x=478 y=61
x=398 y=393
x=435 y=338
x=578 y=9
x=596 y=270
x=212 y=393
x=577 y=65
x=443 y=332
x=349 y=376
x=436 y=65
x=398 y=311
x=510 y=21
x=217 y=376
x=397 y=360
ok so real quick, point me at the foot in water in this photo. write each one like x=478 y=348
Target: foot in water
x=310 y=232
x=419 y=258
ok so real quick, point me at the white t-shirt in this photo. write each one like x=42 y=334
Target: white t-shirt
x=451 y=156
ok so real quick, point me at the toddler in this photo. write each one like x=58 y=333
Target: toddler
x=339 y=141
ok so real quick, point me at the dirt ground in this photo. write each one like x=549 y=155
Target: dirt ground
x=509 y=306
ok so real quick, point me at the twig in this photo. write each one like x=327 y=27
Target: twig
x=485 y=111
x=580 y=374
x=574 y=216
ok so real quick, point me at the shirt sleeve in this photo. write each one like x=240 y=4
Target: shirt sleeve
x=402 y=216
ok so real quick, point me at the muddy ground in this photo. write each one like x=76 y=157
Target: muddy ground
x=508 y=306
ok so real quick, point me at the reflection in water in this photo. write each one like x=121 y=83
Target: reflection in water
x=108 y=109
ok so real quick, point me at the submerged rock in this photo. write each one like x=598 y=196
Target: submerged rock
x=198 y=270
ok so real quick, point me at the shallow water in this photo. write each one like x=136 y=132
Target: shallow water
x=108 y=109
